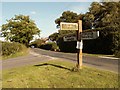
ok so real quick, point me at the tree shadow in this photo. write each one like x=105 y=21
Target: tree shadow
x=58 y=66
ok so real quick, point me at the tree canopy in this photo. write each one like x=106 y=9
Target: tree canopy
x=20 y=29
x=107 y=18
x=54 y=36
x=67 y=16
x=102 y=16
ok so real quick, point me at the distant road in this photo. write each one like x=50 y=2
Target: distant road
x=92 y=61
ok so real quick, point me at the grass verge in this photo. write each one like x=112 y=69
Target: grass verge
x=58 y=74
x=113 y=57
x=98 y=55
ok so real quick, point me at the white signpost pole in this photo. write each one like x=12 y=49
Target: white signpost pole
x=79 y=53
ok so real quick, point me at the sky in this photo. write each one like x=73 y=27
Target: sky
x=43 y=13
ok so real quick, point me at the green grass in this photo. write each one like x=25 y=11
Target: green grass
x=21 y=53
x=58 y=74
x=98 y=55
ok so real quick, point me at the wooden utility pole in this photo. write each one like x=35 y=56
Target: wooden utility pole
x=79 y=39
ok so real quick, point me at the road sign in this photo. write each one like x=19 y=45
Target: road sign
x=85 y=36
x=90 y=35
x=70 y=38
x=68 y=26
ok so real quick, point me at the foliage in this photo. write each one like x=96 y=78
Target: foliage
x=11 y=48
x=117 y=44
x=54 y=36
x=67 y=16
x=106 y=14
x=37 y=43
x=20 y=29
x=50 y=46
x=0 y=48
x=102 y=16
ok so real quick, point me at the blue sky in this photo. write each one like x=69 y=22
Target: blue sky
x=43 y=13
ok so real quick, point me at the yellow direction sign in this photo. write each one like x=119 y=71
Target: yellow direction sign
x=68 y=26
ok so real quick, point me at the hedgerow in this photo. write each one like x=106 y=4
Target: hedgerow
x=50 y=46
x=9 y=48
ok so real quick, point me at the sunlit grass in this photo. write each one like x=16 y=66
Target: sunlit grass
x=58 y=74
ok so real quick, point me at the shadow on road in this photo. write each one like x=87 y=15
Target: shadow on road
x=58 y=66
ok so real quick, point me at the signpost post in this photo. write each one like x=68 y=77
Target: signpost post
x=80 y=37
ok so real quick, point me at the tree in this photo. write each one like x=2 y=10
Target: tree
x=20 y=29
x=67 y=16
x=54 y=36
x=37 y=43
x=102 y=16
x=107 y=19
x=105 y=13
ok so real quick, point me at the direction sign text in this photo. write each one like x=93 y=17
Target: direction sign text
x=90 y=35
x=70 y=38
x=68 y=26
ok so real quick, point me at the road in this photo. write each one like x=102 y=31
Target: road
x=38 y=55
x=31 y=59
x=92 y=61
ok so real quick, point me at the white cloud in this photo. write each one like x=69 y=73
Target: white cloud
x=33 y=12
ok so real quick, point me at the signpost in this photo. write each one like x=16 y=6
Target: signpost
x=80 y=37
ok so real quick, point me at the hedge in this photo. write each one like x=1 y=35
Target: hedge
x=50 y=46
x=9 y=48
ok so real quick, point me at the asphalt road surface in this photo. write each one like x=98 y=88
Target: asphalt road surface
x=110 y=64
x=38 y=55
x=31 y=59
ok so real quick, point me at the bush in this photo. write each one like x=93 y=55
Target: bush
x=50 y=46
x=0 y=48
x=37 y=43
x=117 y=54
x=11 y=48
